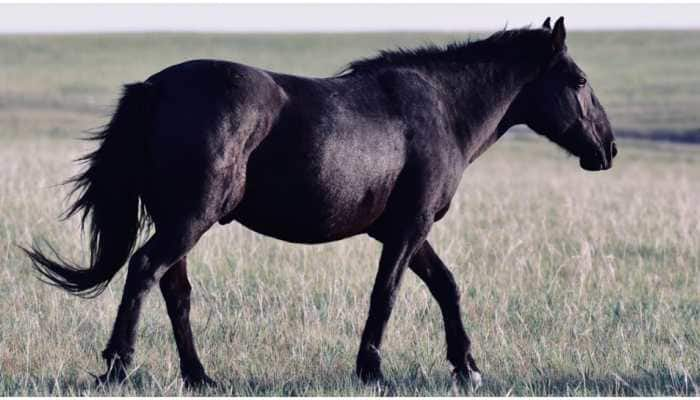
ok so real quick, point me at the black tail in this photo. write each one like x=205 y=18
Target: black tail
x=108 y=193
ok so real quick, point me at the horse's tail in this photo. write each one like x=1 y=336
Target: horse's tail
x=108 y=194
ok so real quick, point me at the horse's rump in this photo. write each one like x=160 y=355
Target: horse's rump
x=211 y=115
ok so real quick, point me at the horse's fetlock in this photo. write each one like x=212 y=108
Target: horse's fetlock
x=115 y=355
x=369 y=364
x=458 y=358
x=370 y=358
x=191 y=368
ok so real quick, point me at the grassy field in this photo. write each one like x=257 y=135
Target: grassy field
x=573 y=283
x=648 y=81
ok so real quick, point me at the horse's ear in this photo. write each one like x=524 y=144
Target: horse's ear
x=546 y=25
x=558 y=35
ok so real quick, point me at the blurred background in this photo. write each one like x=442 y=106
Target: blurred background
x=71 y=59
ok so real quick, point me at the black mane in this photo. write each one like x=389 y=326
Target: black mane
x=500 y=44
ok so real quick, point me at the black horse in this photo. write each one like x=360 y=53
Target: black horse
x=379 y=149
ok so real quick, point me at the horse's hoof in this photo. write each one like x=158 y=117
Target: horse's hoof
x=370 y=374
x=199 y=381
x=475 y=379
x=385 y=388
x=375 y=379
x=371 y=377
x=113 y=375
x=369 y=366
x=467 y=377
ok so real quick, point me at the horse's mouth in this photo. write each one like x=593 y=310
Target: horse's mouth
x=595 y=164
x=600 y=159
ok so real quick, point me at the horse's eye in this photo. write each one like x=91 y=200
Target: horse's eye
x=580 y=82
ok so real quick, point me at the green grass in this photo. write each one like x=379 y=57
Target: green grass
x=572 y=283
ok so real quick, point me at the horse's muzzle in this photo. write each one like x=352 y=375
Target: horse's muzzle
x=594 y=164
x=600 y=160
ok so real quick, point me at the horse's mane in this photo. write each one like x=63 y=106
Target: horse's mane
x=497 y=45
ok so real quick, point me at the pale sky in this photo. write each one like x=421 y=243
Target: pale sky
x=56 y=18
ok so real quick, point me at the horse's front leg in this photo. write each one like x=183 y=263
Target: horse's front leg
x=396 y=254
x=428 y=266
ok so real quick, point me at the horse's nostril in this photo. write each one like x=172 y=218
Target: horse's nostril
x=613 y=149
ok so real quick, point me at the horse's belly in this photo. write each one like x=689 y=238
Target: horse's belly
x=299 y=213
x=317 y=202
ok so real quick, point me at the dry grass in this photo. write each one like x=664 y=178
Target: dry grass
x=572 y=282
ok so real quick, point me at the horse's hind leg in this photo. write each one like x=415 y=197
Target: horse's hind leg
x=176 y=291
x=428 y=266
x=146 y=267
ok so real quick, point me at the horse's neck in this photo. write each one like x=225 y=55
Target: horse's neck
x=481 y=96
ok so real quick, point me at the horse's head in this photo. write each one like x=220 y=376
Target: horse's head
x=560 y=104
